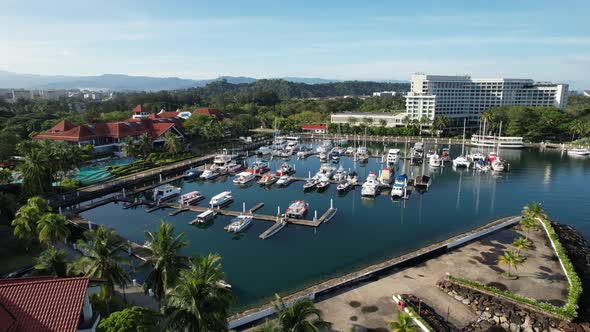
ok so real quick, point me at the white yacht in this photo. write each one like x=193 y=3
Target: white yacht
x=399 y=188
x=578 y=152
x=284 y=180
x=165 y=192
x=349 y=150
x=190 y=198
x=325 y=147
x=498 y=165
x=461 y=161
x=209 y=174
x=386 y=176
x=239 y=223
x=340 y=174
x=221 y=162
x=220 y=199
x=393 y=156
x=203 y=217
x=371 y=186
x=352 y=177
x=326 y=170
x=244 y=177
x=435 y=160
x=478 y=156
x=499 y=142
x=264 y=150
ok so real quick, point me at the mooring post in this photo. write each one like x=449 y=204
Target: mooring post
x=331 y=203
x=243 y=207
x=160 y=177
x=89 y=225
x=315 y=215
x=278 y=210
x=129 y=247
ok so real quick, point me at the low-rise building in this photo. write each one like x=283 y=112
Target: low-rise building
x=384 y=93
x=316 y=129
x=369 y=119
x=47 y=304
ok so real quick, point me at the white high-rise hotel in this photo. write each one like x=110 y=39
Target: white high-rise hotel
x=462 y=97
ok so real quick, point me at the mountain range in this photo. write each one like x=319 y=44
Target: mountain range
x=118 y=82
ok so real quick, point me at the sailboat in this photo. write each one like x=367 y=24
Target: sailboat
x=462 y=161
x=497 y=163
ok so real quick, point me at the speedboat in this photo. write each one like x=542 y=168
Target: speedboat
x=285 y=169
x=344 y=186
x=352 y=177
x=258 y=167
x=327 y=171
x=393 y=156
x=399 y=188
x=445 y=155
x=244 y=177
x=239 y=223
x=435 y=160
x=578 y=152
x=386 y=176
x=323 y=183
x=498 y=165
x=204 y=217
x=164 y=192
x=221 y=199
x=284 y=180
x=310 y=184
x=209 y=174
x=461 y=161
x=362 y=154
x=192 y=173
x=267 y=179
x=297 y=209
x=371 y=186
x=190 y=198
x=340 y=174
x=418 y=150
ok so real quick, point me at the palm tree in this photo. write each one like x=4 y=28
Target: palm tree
x=145 y=144
x=52 y=228
x=512 y=259
x=199 y=301
x=367 y=121
x=535 y=211
x=440 y=122
x=406 y=121
x=404 y=324
x=35 y=169
x=521 y=244
x=383 y=123
x=172 y=143
x=52 y=262
x=300 y=316
x=489 y=117
x=129 y=148
x=102 y=260
x=577 y=128
x=165 y=259
x=528 y=224
x=27 y=217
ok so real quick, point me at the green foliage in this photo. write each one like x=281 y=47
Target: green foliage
x=418 y=317
x=299 y=316
x=27 y=218
x=172 y=143
x=52 y=228
x=512 y=259
x=134 y=319
x=52 y=262
x=69 y=184
x=404 y=323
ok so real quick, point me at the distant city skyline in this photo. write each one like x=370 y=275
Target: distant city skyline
x=380 y=40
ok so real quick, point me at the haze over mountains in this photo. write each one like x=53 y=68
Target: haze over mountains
x=127 y=82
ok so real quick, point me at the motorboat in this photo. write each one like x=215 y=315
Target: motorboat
x=578 y=152
x=399 y=188
x=204 y=217
x=302 y=154
x=192 y=173
x=393 y=156
x=164 y=192
x=221 y=199
x=190 y=198
x=422 y=182
x=221 y=162
x=268 y=179
x=284 y=180
x=292 y=146
x=498 y=165
x=323 y=183
x=435 y=160
x=340 y=174
x=481 y=165
x=445 y=155
x=310 y=184
x=352 y=177
x=285 y=169
x=461 y=161
x=349 y=150
x=264 y=150
x=386 y=176
x=323 y=157
x=371 y=186
x=244 y=177
x=478 y=156
x=209 y=174
x=492 y=156
x=239 y=224
x=258 y=167
x=327 y=171
x=344 y=186
x=362 y=154
x=235 y=167
x=297 y=209
x=325 y=147
x=418 y=150
x=335 y=158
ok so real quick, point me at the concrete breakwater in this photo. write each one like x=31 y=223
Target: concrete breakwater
x=325 y=289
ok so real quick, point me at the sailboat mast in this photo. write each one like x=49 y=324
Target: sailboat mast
x=498 y=143
x=463 y=145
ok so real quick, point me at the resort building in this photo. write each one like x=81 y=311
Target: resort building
x=463 y=97
x=47 y=304
x=370 y=119
x=315 y=129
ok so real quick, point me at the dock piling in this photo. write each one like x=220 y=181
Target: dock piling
x=331 y=203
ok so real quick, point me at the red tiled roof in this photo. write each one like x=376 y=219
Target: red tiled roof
x=42 y=304
x=210 y=111
x=163 y=115
x=63 y=125
x=140 y=109
x=313 y=127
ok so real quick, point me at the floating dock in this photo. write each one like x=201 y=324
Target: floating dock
x=280 y=224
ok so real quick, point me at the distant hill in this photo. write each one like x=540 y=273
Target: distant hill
x=120 y=82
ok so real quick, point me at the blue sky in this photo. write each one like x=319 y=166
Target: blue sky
x=543 y=40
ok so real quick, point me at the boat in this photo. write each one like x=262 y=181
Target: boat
x=393 y=156
x=462 y=161
x=371 y=186
x=481 y=165
x=209 y=174
x=264 y=150
x=310 y=184
x=285 y=169
x=486 y=141
x=492 y=156
x=244 y=177
x=327 y=171
x=445 y=155
x=435 y=160
x=325 y=147
x=192 y=173
x=340 y=174
x=297 y=209
x=362 y=154
x=322 y=156
x=352 y=177
x=349 y=150
x=221 y=199
x=335 y=158
x=284 y=180
x=164 y=192
x=234 y=167
x=203 y=217
x=386 y=176
x=221 y=162
x=498 y=165
x=292 y=146
x=478 y=156
x=418 y=150
x=399 y=188
x=422 y=182
x=322 y=183
x=268 y=179
x=190 y=198
x=344 y=187
x=258 y=167
x=239 y=224
x=578 y=152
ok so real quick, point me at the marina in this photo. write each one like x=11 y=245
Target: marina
x=357 y=231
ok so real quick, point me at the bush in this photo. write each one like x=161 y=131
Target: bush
x=130 y=320
x=70 y=184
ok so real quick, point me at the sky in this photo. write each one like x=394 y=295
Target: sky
x=364 y=40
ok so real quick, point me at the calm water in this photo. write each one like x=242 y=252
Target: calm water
x=364 y=231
